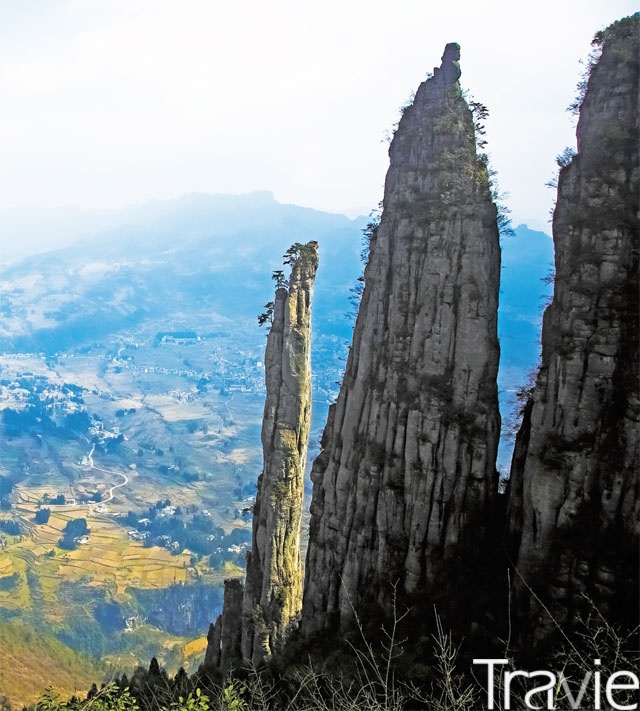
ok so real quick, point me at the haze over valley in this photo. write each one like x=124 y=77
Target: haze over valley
x=132 y=385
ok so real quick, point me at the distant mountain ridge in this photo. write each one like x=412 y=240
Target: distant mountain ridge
x=202 y=265
x=28 y=231
x=220 y=249
x=216 y=252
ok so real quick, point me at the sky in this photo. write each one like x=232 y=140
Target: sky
x=111 y=102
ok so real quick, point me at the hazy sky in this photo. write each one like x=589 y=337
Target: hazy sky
x=108 y=102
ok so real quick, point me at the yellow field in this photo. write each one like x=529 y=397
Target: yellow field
x=196 y=648
x=109 y=558
x=232 y=571
x=6 y=566
x=241 y=455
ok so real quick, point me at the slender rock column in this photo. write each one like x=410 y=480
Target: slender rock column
x=230 y=633
x=273 y=589
x=267 y=609
x=212 y=654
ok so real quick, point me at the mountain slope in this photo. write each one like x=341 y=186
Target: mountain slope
x=217 y=250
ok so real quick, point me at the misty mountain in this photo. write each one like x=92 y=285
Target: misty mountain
x=214 y=254
x=525 y=289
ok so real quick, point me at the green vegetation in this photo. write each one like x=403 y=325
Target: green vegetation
x=624 y=28
x=30 y=661
x=358 y=674
x=368 y=236
x=42 y=516
x=170 y=527
x=296 y=251
x=74 y=530
x=9 y=582
x=564 y=159
x=58 y=500
x=10 y=526
x=267 y=315
x=519 y=401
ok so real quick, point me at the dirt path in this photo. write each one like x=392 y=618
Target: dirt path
x=115 y=486
x=107 y=471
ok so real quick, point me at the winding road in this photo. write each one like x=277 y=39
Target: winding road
x=115 y=486
x=107 y=471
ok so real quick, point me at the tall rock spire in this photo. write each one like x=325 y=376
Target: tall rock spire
x=574 y=495
x=258 y=618
x=273 y=588
x=405 y=484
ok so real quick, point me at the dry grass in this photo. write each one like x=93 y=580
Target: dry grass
x=196 y=648
x=6 y=565
x=29 y=662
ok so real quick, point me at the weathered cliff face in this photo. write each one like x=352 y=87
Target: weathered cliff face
x=405 y=484
x=574 y=502
x=257 y=620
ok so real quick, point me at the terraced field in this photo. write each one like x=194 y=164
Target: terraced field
x=61 y=592
x=110 y=557
x=197 y=446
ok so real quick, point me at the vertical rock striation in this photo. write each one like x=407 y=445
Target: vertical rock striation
x=573 y=498
x=257 y=619
x=405 y=484
x=273 y=588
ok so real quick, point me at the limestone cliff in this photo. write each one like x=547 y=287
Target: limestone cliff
x=272 y=598
x=405 y=484
x=574 y=502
